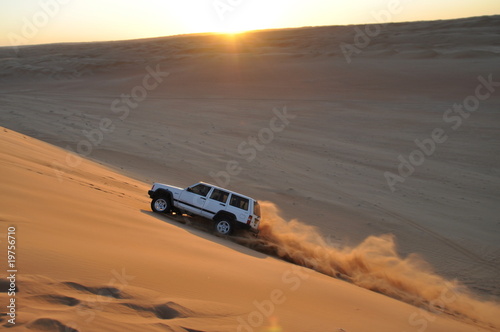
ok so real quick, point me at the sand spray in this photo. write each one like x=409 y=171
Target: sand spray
x=374 y=264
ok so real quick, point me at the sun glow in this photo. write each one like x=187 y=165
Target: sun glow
x=230 y=30
x=26 y=22
x=235 y=17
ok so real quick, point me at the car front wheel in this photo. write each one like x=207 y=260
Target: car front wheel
x=160 y=205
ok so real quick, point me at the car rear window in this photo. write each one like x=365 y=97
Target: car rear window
x=256 y=208
x=239 y=202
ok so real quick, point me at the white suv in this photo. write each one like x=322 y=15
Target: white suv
x=228 y=210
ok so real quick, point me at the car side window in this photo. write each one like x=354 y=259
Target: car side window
x=200 y=189
x=239 y=202
x=220 y=195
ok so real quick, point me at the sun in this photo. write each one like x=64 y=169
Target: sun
x=241 y=25
x=234 y=17
x=238 y=27
x=233 y=30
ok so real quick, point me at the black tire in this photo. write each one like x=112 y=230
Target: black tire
x=224 y=226
x=161 y=205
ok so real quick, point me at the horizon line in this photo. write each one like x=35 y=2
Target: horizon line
x=244 y=32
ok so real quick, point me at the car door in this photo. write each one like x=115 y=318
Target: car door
x=193 y=198
x=216 y=201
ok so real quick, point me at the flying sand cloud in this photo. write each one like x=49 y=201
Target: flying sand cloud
x=374 y=264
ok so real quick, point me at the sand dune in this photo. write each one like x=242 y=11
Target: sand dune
x=93 y=258
x=466 y=38
x=185 y=108
x=374 y=264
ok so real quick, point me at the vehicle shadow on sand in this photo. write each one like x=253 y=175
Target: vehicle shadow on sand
x=204 y=228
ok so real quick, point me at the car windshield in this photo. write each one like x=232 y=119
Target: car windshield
x=256 y=208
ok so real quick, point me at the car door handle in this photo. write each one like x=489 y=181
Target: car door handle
x=203 y=198
x=222 y=204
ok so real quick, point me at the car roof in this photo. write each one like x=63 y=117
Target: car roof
x=225 y=189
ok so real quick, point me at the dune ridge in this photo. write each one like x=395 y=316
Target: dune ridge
x=429 y=40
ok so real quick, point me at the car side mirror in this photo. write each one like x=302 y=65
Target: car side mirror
x=189 y=189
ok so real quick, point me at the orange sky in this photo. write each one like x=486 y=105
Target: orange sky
x=46 y=21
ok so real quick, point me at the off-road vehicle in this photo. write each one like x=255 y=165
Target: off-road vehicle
x=228 y=210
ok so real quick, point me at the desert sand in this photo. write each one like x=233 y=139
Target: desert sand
x=378 y=169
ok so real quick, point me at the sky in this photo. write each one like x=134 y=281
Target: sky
x=27 y=22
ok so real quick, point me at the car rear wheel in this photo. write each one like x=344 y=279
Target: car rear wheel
x=160 y=205
x=224 y=226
